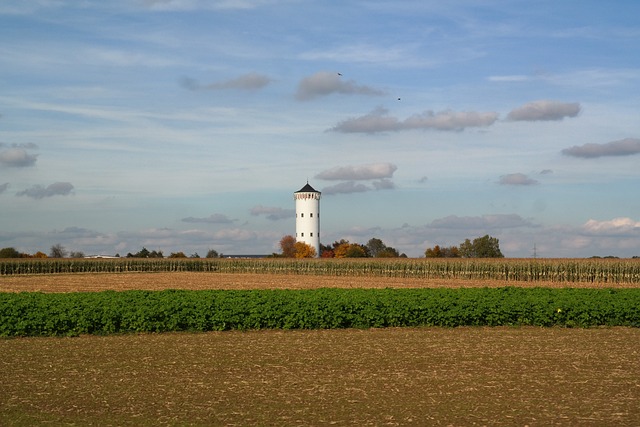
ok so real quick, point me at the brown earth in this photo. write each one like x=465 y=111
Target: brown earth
x=81 y=282
x=408 y=376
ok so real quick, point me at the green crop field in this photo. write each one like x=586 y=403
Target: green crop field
x=52 y=314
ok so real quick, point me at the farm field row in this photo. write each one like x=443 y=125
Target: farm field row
x=507 y=270
x=95 y=282
x=393 y=376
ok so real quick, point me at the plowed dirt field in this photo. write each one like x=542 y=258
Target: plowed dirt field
x=375 y=377
x=80 y=282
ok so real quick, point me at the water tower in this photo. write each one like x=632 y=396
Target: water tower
x=308 y=216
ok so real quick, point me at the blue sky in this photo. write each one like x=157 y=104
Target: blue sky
x=186 y=125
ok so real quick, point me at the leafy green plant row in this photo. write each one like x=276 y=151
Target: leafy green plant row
x=40 y=314
x=557 y=270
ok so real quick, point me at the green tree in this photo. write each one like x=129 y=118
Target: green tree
x=466 y=249
x=9 y=253
x=434 y=252
x=378 y=249
x=356 y=251
x=212 y=253
x=481 y=247
x=177 y=255
x=142 y=253
x=375 y=246
x=388 y=252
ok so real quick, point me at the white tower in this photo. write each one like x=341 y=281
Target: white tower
x=308 y=216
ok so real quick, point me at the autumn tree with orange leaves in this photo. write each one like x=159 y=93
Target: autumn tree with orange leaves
x=304 y=250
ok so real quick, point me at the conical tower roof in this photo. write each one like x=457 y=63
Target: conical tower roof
x=307 y=189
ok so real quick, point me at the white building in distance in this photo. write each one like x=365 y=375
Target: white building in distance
x=308 y=216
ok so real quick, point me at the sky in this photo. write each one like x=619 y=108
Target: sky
x=187 y=125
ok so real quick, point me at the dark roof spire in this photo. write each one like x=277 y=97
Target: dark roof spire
x=307 y=189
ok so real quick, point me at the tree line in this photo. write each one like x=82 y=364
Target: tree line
x=481 y=247
x=375 y=248
x=59 y=251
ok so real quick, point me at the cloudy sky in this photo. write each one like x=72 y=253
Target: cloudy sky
x=186 y=125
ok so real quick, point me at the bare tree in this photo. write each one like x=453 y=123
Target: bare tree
x=58 y=251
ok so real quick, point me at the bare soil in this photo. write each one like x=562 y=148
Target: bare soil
x=187 y=280
x=409 y=376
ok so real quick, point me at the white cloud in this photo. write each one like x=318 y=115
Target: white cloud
x=383 y=184
x=616 y=226
x=235 y=235
x=359 y=172
x=325 y=83
x=368 y=53
x=379 y=121
x=215 y=218
x=509 y=78
x=595 y=77
x=251 y=81
x=517 y=179
x=346 y=188
x=17 y=157
x=358 y=187
x=376 y=121
x=582 y=78
x=110 y=57
x=450 y=120
x=273 y=213
x=544 y=110
x=498 y=221
x=624 y=147
x=40 y=192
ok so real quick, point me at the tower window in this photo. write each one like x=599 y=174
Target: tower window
x=302 y=215
x=311 y=214
x=311 y=234
x=301 y=234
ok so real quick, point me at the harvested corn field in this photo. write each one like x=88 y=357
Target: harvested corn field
x=604 y=271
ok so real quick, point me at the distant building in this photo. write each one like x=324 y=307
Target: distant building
x=100 y=257
x=308 y=216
